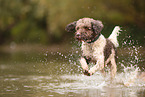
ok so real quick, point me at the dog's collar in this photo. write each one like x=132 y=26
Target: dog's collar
x=94 y=38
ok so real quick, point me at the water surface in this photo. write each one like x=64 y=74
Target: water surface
x=48 y=73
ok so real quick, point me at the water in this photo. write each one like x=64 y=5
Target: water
x=45 y=72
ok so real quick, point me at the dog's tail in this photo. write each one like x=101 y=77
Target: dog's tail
x=113 y=36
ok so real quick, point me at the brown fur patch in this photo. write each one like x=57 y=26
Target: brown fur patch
x=107 y=50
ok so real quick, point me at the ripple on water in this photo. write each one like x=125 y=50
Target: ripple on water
x=79 y=82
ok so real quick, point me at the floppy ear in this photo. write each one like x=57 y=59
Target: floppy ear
x=97 y=26
x=71 y=27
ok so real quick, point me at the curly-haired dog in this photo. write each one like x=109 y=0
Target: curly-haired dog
x=95 y=47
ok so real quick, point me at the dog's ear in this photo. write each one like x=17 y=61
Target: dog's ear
x=71 y=27
x=97 y=26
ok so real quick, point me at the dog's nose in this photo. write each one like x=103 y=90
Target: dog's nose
x=78 y=34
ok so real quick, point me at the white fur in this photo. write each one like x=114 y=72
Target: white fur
x=113 y=66
x=113 y=36
x=95 y=51
x=84 y=64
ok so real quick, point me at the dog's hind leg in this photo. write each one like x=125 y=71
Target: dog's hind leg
x=103 y=72
x=113 y=67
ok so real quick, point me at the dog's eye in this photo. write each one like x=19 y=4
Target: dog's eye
x=78 y=28
x=87 y=28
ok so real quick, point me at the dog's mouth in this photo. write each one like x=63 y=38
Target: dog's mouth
x=81 y=38
x=88 y=39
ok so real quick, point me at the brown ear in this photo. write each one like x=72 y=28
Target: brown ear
x=71 y=27
x=97 y=26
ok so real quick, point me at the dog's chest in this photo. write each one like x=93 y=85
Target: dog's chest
x=94 y=50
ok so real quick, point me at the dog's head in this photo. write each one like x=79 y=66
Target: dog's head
x=86 y=29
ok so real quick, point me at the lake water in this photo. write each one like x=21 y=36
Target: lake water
x=56 y=72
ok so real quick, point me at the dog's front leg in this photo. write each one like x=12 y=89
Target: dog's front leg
x=84 y=66
x=99 y=66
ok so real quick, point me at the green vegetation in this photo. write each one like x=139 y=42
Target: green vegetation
x=44 y=21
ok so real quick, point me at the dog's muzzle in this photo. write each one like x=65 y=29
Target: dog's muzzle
x=80 y=37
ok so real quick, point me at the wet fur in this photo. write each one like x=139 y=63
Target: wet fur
x=95 y=47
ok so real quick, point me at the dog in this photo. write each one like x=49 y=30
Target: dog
x=95 y=47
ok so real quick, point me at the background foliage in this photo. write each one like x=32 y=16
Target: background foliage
x=44 y=21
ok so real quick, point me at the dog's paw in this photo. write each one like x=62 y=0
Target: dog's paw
x=87 y=73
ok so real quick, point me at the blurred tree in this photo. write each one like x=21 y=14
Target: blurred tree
x=44 y=21
x=19 y=21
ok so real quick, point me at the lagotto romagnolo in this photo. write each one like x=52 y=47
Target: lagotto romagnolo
x=95 y=47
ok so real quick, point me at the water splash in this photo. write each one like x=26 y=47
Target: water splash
x=127 y=79
x=129 y=75
x=132 y=52
x=129 y=60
